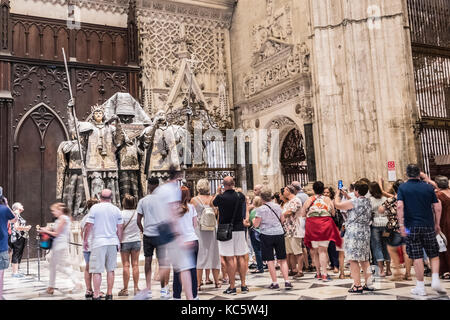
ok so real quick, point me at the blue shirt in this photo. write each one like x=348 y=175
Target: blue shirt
x=418 y=198
x=5 y=216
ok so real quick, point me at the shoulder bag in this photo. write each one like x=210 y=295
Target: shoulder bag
x=225 y=230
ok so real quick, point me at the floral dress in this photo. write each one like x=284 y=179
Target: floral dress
x=357 y=231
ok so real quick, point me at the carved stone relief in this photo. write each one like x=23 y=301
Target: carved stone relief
x=171 y=32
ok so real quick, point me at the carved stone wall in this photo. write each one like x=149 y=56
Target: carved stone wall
x=172 y=30
x=364 y=100
x=271 y=72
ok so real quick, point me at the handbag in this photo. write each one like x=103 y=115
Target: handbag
x=225 y=230
x=45 y=241
x=166 y=234
x=442 y=242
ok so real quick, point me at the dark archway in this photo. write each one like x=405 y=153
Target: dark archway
x=36 y=142
x=293 y=158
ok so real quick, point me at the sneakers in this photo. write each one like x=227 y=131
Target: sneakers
x=17 y=275
x=437 y=287
x=244 y=289
x=288 y=286
x=230 y=291
x=274 y=286
x=165 y=293
x=418 y=291
x=326 y=278
x=253 y=266
x=143 y=295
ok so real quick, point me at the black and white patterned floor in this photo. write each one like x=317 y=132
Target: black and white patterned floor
x=308 y=288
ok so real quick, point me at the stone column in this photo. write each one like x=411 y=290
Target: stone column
x=364 y=98
x=6 y=101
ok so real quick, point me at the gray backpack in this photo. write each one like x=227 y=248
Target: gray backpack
x=207 y=221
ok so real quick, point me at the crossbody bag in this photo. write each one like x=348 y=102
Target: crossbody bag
x=125 y=226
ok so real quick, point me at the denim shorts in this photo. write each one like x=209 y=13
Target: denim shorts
x=4 y=260
x=86 y=255
x=130 y=246
x=396 y=239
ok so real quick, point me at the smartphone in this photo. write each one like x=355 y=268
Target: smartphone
x=340 y=184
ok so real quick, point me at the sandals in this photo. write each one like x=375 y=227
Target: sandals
x=218 y=285
x=50 y=290
x=89 y=294
x=209 y=282
x=445 y=276
x=318 y=276
x=298 y=275
x=123 y=293
x=366 y=288
x=356 y=289
x=341 y=276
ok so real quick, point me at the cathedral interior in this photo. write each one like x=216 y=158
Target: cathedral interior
x=346 y=86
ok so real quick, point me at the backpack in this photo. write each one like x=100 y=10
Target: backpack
x=207 y=221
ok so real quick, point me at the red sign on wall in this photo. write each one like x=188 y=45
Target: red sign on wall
x=391 y=165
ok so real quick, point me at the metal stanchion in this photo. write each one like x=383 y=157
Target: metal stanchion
x=28 y=252
x=39 y=258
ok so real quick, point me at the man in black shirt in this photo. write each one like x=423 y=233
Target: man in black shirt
x=235 y=249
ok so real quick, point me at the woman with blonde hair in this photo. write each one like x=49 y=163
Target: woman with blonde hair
x=208 y=247
x=59 y=259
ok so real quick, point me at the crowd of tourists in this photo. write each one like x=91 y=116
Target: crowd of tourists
x=365 y=228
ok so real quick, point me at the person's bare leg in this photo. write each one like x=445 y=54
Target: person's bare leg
x=164 y=274
x=97 y=279
x=242 y=269
x=186 y=282
x=231 y=270
x=299 y=258
x=284 y=269
x=208 y=272
x=315 y=259
x=2 y=272
x=356 y=273
x=408 y=263
x=223 y=266
x=87 y=278
x=381 y=268
x=125 y=256
x=395 y=262
x=418 y=268
x=305 y=258
x=15 y=268
x=109 y=282
x=341 y=264
x=199 y=277
x=148 y=272
x=323 y=259
x=388 y=268
x=135 y=266
x=215 y=273
x=272 y=271
x=365 y=266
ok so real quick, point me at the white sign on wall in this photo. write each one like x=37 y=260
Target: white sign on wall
x=392 y=175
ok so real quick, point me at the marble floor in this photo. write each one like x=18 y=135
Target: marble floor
x=30 y=288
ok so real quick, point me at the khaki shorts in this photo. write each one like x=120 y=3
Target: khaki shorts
x=237 y=246
x=317 y=244
x=103 y=257
x=294 y=245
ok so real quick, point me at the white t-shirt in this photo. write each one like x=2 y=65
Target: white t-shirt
x=167 y=193
x=105 y=217
x=151 y=209
x=186 y=225
x=131 y=233
x=90 y=236
x=62 y=240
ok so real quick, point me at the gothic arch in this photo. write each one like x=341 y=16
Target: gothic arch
x=43 y=116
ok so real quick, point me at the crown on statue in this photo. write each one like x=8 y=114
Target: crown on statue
x=98 y=107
